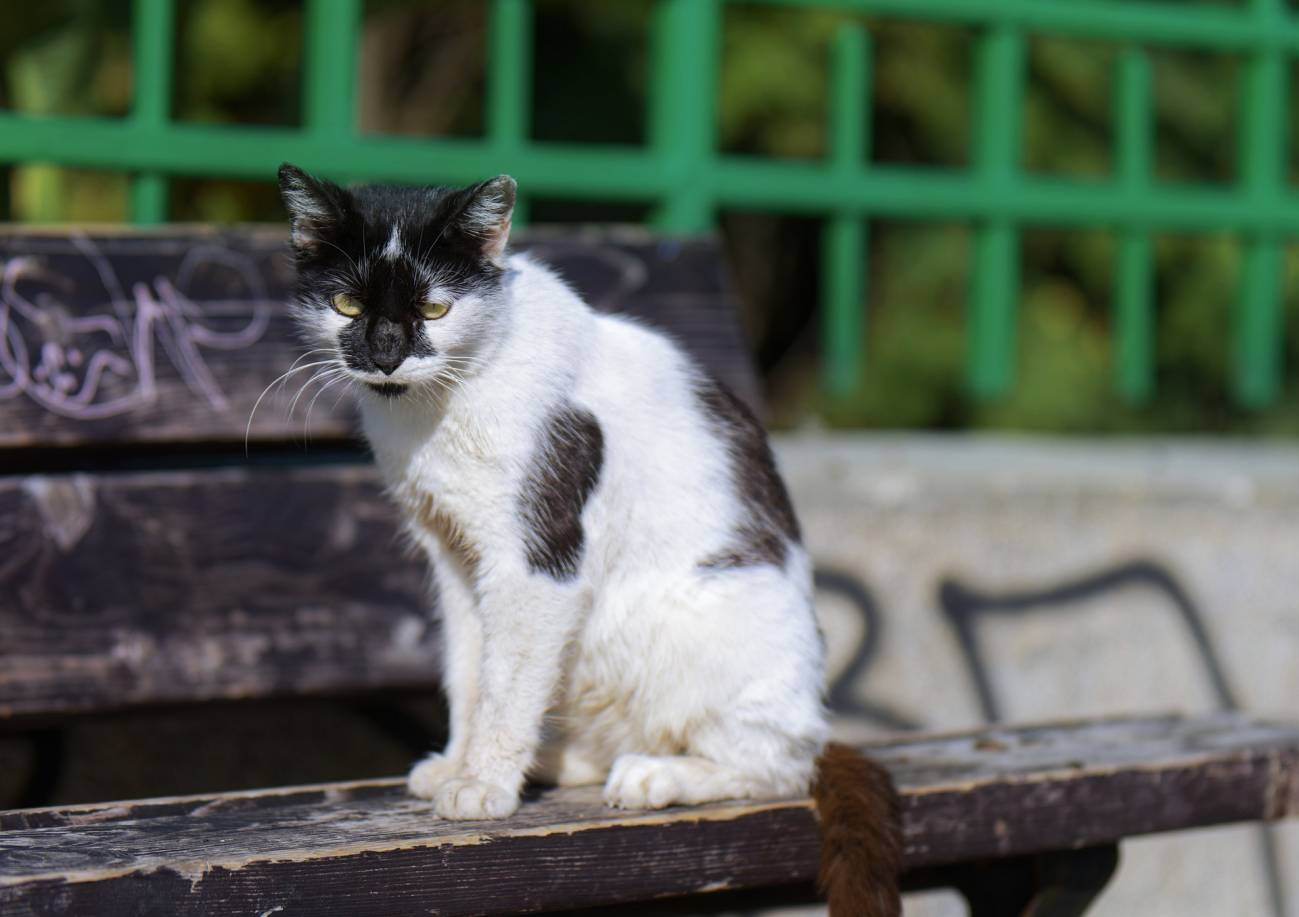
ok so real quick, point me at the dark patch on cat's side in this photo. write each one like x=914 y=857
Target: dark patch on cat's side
x=769 y=523
x=566 y=469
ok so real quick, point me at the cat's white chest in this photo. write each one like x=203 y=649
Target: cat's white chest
x=447 y=467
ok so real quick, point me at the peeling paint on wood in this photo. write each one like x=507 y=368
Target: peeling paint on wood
x=366 y=848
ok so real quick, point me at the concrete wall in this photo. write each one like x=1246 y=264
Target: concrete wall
x=1093 y=577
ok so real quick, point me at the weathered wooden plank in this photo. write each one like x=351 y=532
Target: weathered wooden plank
x=365 y=848
x=122 y=589
x=171 y=336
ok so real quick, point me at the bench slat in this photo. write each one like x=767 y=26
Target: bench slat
x=365 y=848
x=149 y=587
x=156 y=337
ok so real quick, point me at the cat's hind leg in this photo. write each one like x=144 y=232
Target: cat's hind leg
x=733 y=673
x=656 y=781
x=723 y=762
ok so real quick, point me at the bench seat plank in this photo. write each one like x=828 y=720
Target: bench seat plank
x=365 y=848
x=174 y=586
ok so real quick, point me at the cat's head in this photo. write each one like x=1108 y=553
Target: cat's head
x=400 y=285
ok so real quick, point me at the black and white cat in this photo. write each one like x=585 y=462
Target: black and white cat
x=623 y=591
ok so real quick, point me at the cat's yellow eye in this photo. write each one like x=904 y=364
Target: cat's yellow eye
x=434 y=310
x=346 y=305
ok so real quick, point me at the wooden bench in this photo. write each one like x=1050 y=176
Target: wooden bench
x=1022 y=820
x=146 y=559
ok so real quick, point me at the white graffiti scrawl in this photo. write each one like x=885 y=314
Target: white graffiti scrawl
x=101 y=360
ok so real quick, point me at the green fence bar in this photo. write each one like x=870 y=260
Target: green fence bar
x=681 y=175
x=153 y=25
x=509 y=71
x=685 y=48
x=843 y=283
x=994 y=282
x=509 y=87
x=843 y=241
x=1259 y=331
x=1262 y=157
x=330 y=74
x=1147 y=21
x=1134 y=340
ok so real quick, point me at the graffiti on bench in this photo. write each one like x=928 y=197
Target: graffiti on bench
x=100 y=362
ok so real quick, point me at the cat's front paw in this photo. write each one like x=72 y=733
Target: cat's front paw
x=466 y=798
x=429 y=774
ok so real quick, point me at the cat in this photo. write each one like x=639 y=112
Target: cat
x=624 y=595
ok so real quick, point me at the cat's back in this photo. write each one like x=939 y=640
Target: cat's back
x=667 y=471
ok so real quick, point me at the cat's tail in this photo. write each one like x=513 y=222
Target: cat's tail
x=861 y=834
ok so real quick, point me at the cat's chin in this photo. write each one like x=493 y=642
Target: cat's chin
x=387 y=389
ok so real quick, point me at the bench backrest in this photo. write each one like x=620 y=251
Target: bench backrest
x=144 y=558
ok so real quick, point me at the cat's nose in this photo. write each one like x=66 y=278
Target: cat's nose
x=387 y=345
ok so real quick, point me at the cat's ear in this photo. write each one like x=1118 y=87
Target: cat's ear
x=486 y=215
x=314 y=207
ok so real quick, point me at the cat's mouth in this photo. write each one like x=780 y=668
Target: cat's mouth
x=387 y=389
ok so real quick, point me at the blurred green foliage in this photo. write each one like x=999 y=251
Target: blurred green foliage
x=421 y=73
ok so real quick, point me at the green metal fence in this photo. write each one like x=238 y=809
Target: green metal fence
x=681 y=172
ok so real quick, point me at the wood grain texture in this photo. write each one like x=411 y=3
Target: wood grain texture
x=366 y=848
x=125 y=589
x=170 y=337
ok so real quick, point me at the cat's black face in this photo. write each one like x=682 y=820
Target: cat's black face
x=398 y=285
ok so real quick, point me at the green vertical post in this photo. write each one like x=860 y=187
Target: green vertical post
x=994 y=282
x=1259 y=320
x=152 y=27
x=509 y=85
x=509 y=73
x=1134 y=317
x=329 y=72
x=843 y=240
x=685 y=48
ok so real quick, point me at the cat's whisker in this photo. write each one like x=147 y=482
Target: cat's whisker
x=319 y=374
x=341 y=395
x=314 y=350
x=339 y=376
x=319 y=350
x=465 y=361
x=284 y=375
x=442 y=381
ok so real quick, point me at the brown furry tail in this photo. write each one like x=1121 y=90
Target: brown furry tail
x=861 y=834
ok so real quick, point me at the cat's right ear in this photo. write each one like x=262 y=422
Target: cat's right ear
x=313 y=206
x=486 y=215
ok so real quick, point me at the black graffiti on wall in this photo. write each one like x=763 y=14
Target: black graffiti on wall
x=843 y=691
x=964 y=606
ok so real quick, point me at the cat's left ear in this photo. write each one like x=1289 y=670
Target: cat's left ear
x=486 y=216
